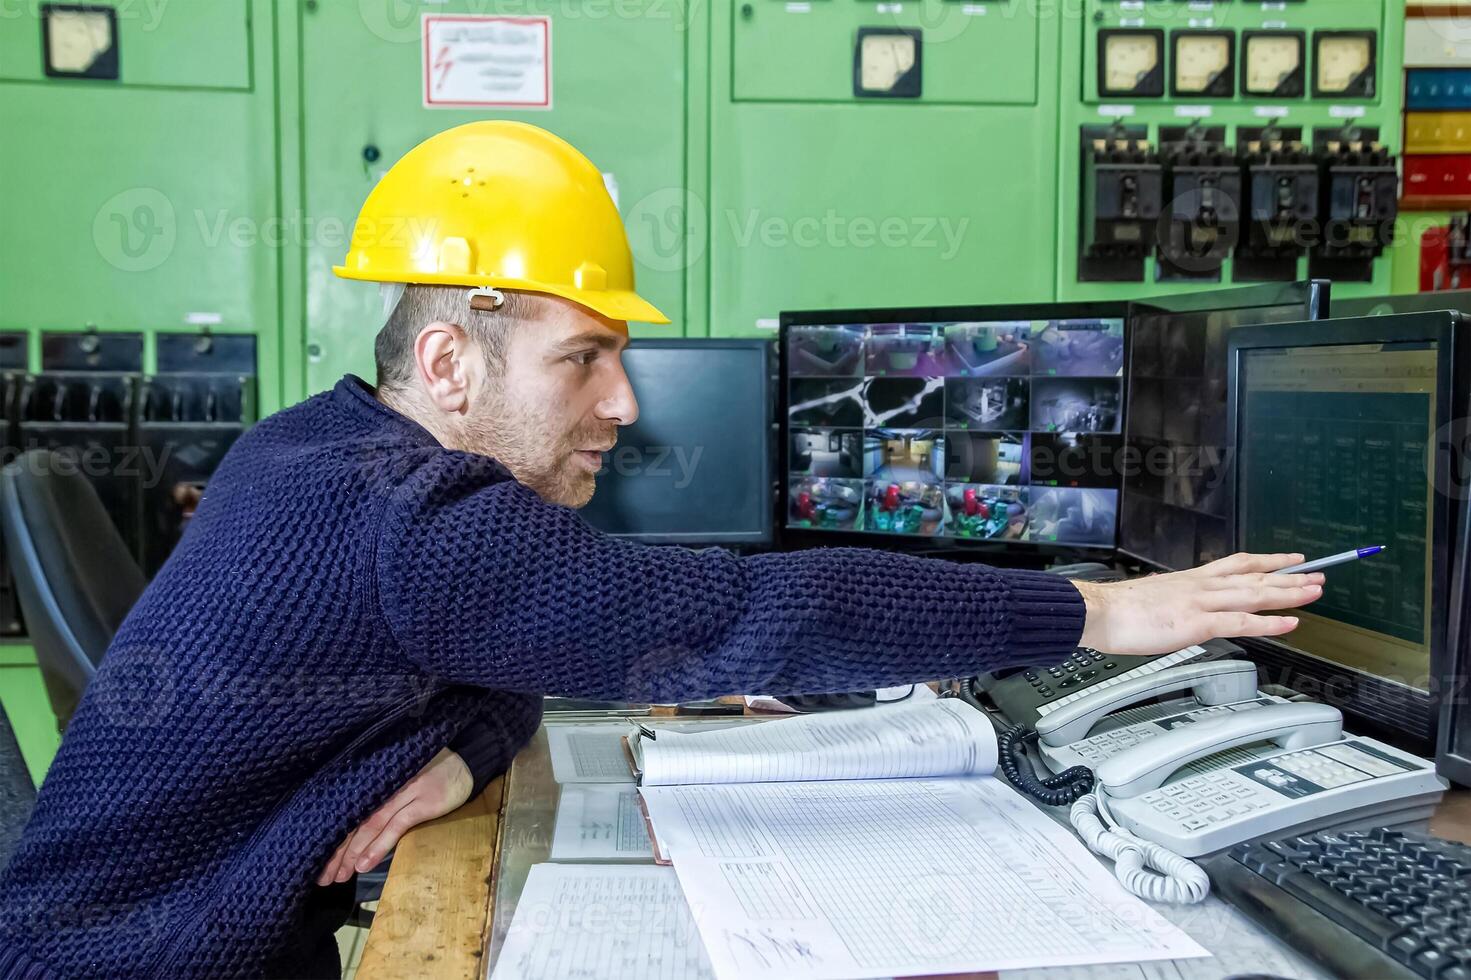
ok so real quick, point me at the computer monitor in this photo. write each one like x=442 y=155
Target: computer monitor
x=696 y=468
x=1453 y=748
x=1339 y=431
x=1173 y=514
x=1445 y=299
x=952 y=426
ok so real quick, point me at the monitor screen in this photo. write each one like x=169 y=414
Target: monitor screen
x=696 y=467
x=964 y=428
x=1343 y=437
x=1332 y=448
x=1174 y=508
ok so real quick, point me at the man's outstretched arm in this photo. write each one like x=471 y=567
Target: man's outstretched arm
x=484 y=583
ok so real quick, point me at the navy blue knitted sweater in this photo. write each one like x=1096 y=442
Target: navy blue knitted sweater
x=350 y=596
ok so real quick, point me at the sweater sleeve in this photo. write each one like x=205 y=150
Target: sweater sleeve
x=491 y=739
x=482 y=582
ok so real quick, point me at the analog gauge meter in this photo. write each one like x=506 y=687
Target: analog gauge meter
x=1343 y=64
x=1131 y=63
x=886 y=63
x=1201 y=64
x=1273 y=64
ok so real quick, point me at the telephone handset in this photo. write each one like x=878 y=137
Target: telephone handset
x=1027 y=696
x=1145 y=766
x=1063 y=725
x=1213 y=683
x=1102 y=723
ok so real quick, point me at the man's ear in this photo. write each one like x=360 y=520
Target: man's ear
x=443 y=357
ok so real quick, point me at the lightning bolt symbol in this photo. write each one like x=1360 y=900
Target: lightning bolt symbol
x=442 y=63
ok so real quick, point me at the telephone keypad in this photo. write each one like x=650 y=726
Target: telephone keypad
x=1204 y=800
x=1086 y=666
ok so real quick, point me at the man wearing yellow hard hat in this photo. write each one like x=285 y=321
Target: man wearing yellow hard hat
x=382 y=582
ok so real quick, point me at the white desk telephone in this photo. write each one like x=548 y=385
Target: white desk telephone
x=1223 y=765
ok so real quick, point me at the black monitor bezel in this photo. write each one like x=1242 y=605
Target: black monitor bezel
x=1455 y=300
x=1453 y=756
x=794 y=537
x=761 y=540
x=1389 y=706
x=1315 y=305
x=1317 y=302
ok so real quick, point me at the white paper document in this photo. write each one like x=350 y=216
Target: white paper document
x=1236 y=944
x=600 y=823
x=589 y=753
x=879 y=878
x=616 y=922
x=933 y=738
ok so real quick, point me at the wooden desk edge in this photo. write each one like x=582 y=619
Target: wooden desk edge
x=434 y=918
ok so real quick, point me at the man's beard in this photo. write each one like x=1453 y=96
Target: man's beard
x=531 y=446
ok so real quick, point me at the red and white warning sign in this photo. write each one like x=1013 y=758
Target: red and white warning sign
x=487 y=60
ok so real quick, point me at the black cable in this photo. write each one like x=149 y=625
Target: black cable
x=1063 y=789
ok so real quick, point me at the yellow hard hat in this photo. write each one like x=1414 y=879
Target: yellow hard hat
x=499 y=204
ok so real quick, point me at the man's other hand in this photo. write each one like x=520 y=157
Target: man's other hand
x=439 y=788
x=1164 y=613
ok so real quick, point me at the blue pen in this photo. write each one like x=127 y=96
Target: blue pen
x=1338 y=559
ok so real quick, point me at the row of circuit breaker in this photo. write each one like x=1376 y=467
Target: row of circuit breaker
x=1192 y=200
x=1437 y=137
x=147 y=441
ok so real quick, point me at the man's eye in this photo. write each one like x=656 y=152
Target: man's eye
x=584 y=358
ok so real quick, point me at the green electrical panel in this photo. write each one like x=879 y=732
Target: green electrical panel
x=145 y=202
x=878 y=154
x=1217 y=143
x=616 y=88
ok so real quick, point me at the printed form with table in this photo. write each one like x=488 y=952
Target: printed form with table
x=883 y=843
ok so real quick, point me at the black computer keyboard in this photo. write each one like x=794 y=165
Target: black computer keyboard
x=1377 y=903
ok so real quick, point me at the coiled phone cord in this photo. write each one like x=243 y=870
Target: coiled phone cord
x=1059 y=790
x=1173 y=878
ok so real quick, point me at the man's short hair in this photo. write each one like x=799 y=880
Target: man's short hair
x=422 y=305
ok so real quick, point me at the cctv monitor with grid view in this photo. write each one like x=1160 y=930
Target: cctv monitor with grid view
x=972 y=427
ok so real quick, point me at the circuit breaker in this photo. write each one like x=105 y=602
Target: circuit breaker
x=1121 y=202
x=1203 y=186
x=1359 y=203
x=1280 y=189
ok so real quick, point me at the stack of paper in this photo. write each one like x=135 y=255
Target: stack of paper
x=623 y=922
x=881 y=878
x=856 y=844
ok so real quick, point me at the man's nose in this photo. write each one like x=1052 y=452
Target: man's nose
x=619 y=404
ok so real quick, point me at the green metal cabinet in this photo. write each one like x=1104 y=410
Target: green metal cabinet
x=23 y=695
x=619 y=95
x=821 y=198
x=149 y=203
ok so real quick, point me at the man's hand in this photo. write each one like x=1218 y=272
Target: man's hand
x=440 y=787
x=1164 y=613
